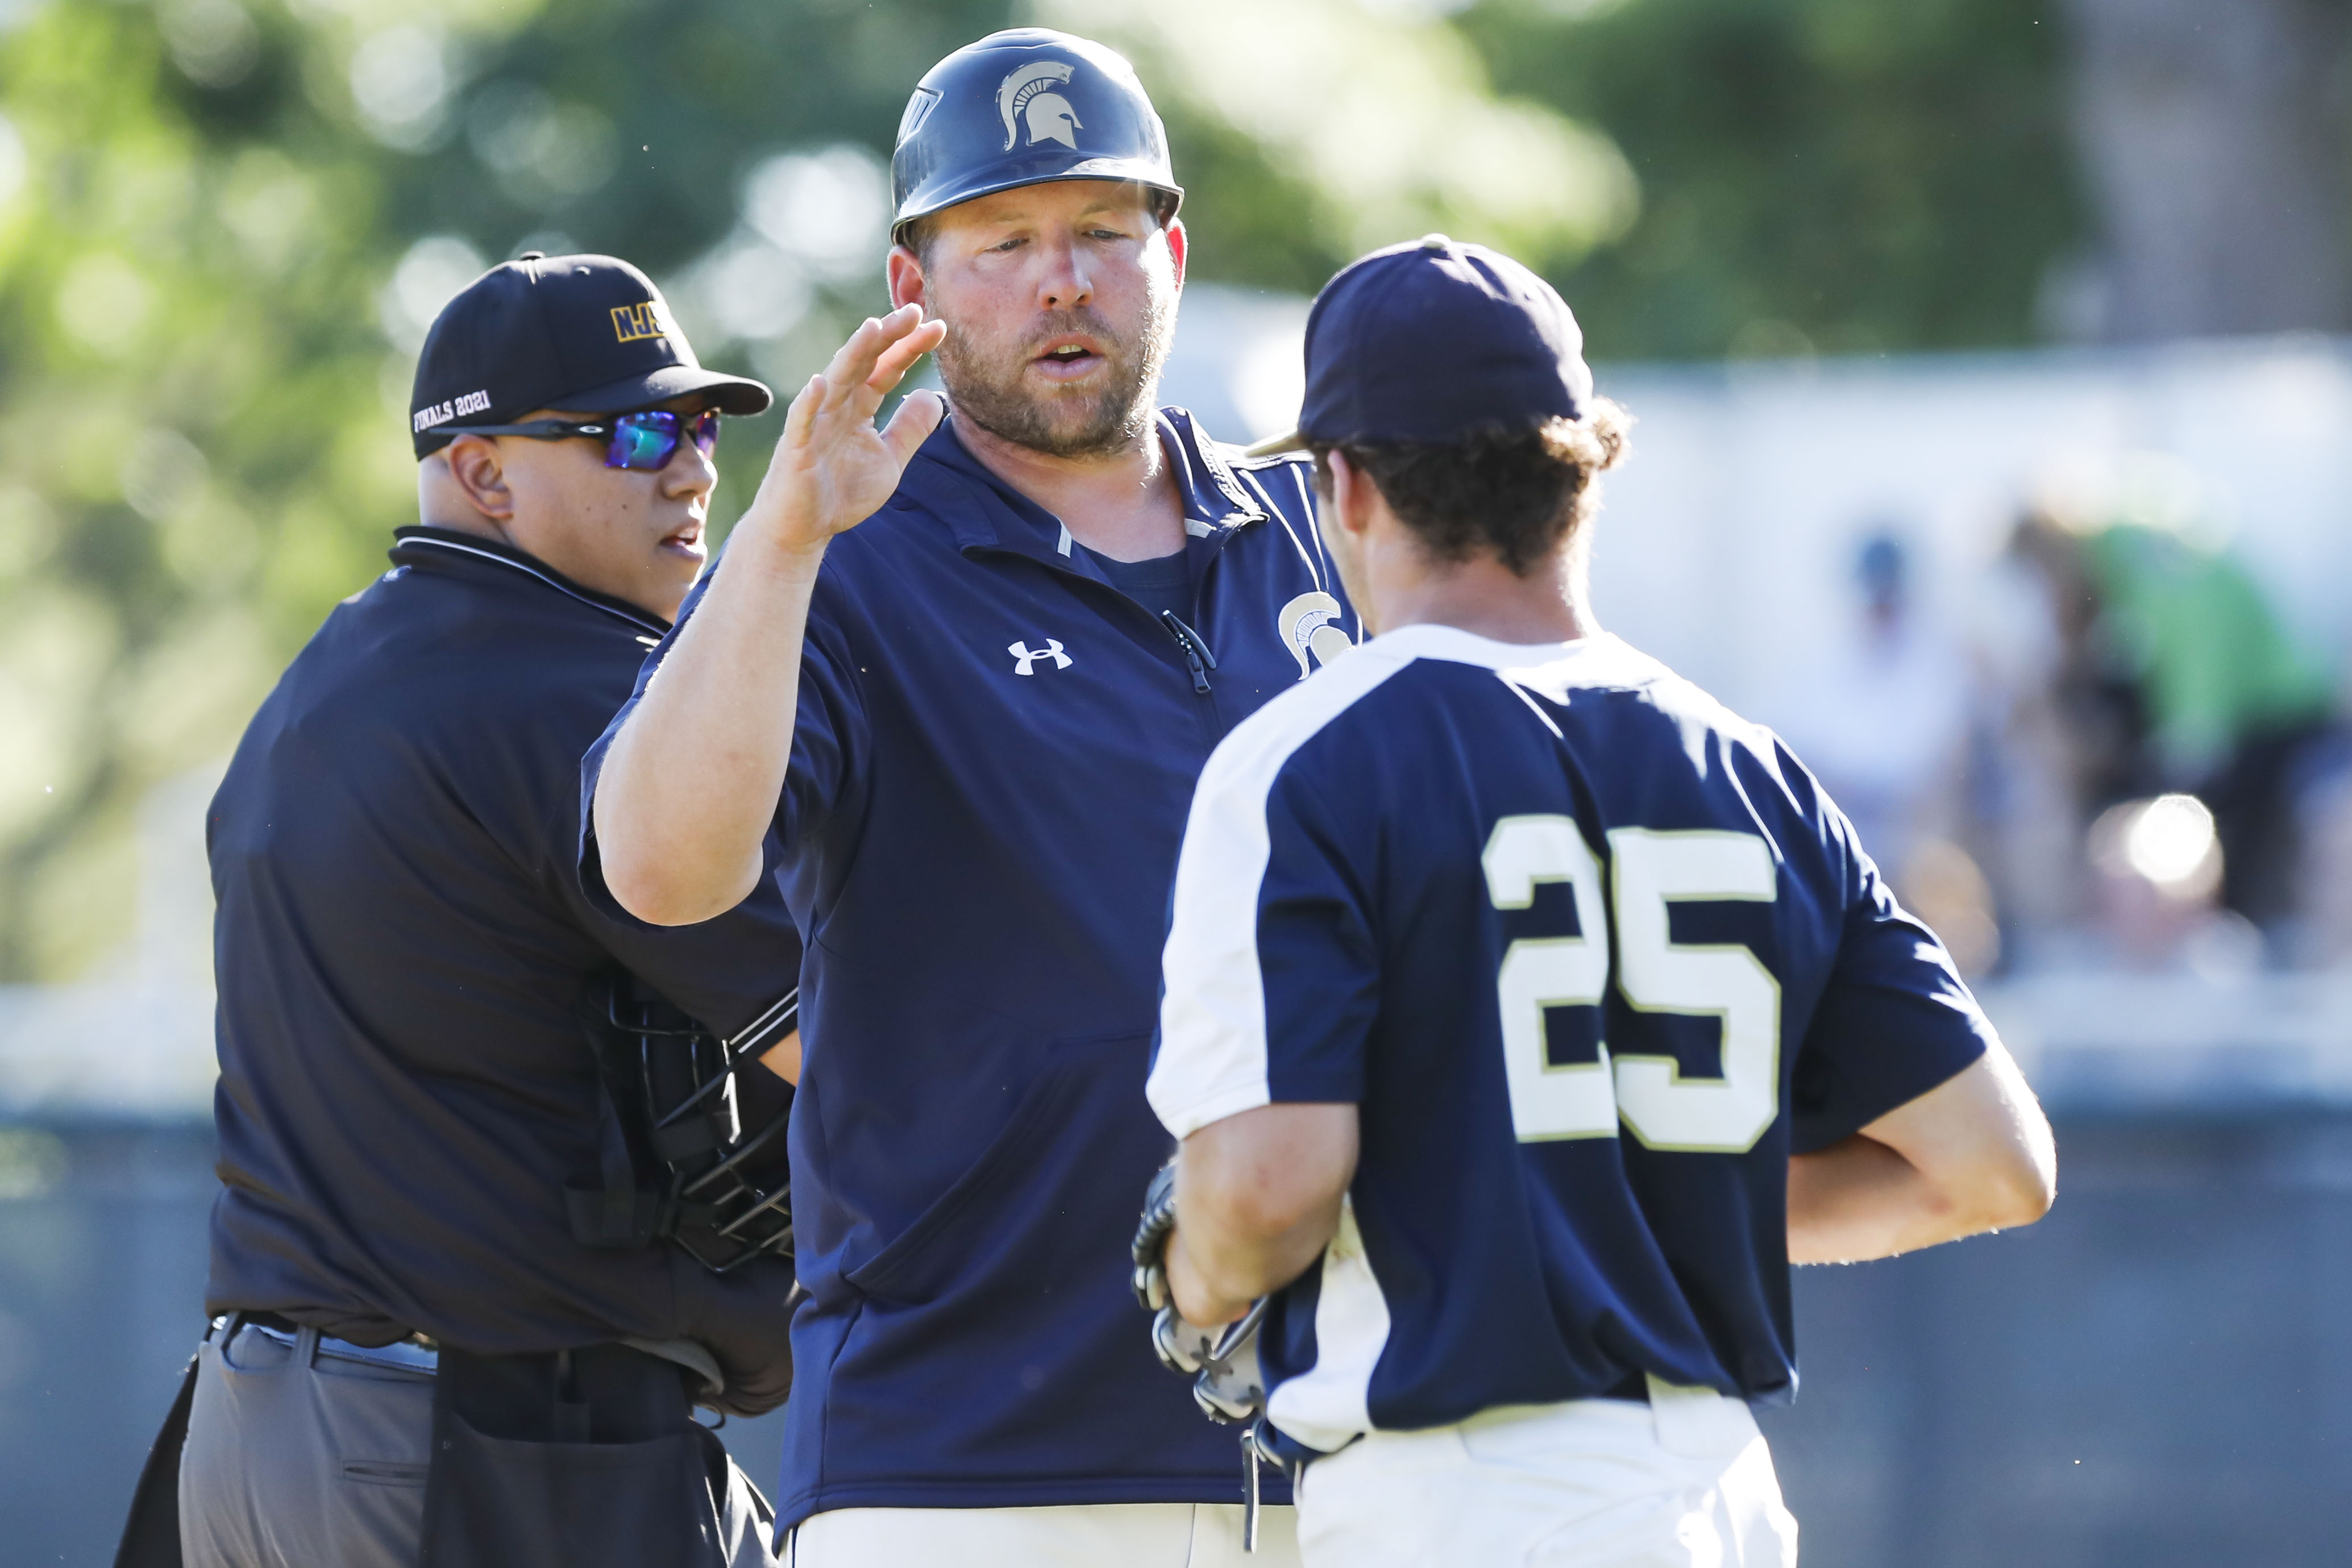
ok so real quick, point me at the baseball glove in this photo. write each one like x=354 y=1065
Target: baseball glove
x=1222 y=1362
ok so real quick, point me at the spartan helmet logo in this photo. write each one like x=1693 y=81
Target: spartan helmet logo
x=1024 y=99
x=1312 y=630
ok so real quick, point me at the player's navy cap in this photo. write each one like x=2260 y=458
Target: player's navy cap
x=1433 y=341
x=586 y=334
x=1025 y=107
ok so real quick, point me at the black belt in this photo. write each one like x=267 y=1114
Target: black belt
x=413 y=1352
x=284 y=1324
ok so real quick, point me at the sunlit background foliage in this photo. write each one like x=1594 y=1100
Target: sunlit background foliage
x=225 y=224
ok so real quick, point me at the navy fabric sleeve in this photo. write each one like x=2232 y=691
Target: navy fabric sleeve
x=1318 y=957
x=1895 y=1020
x=737 y=973
x=829 y=739
x=827 y=730
x=733 y=972
x=592 y=766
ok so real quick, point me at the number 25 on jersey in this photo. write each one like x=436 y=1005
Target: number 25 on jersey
x=1665 y=1108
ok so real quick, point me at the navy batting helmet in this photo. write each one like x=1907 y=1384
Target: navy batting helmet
x=1022 y=108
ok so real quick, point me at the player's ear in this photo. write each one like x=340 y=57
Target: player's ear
x=1351 y=493
x=477 y=471
x=1176 y=244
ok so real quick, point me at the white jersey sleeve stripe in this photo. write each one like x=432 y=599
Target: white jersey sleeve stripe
x=1329 y=1405
x=1211 y=1059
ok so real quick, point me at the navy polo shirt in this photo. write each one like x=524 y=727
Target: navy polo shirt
x=992 y=759
x=405 y=1089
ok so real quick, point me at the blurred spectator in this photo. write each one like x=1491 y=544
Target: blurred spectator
x=2231 y=702
x=1883 y=720
x=1881 y=716
x=2101 y=718
x=2036 y=708
x=2175 y=673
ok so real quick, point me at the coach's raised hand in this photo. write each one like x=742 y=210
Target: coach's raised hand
x=691 y=782
x=832 y=468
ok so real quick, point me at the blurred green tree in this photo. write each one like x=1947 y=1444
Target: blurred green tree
x=225 y=224
x=1841 y=176
x=189 y=393
x=1310 y=131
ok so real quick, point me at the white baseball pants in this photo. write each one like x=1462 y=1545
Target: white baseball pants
x=1088 y=1535
x=1684 y=1481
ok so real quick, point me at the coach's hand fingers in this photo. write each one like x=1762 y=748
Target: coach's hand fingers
x=874 y=359
x=799 y=419
x=843 y=383
x=913 y=424
x=845 y=374
x=905 y=346
x=831 y=467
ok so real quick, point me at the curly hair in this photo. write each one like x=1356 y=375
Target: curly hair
x=1516 y=495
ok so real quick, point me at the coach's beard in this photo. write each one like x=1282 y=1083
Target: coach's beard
x=986 y=386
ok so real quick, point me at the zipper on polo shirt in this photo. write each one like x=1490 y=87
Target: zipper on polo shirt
x=1199 y=659
x=1197 y=656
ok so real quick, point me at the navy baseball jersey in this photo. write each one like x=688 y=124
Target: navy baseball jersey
x=994 y=750
x=1593 y=956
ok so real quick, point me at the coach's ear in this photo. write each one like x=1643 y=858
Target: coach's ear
x=902 y=269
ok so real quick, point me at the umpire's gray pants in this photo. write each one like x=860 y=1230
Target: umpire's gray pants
x=299 y=1459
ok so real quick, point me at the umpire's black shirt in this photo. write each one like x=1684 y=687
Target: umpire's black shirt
x=405 y=1089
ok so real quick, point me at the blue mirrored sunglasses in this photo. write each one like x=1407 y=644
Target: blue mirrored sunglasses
x=644 y=442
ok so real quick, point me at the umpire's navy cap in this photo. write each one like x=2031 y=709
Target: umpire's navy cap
x=587 y=334
x=1433 y=341
x=1025 y=107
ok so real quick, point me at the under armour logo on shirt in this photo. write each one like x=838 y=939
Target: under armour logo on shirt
x=1028 y=656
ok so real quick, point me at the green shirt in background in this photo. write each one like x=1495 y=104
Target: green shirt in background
x=2214 y=662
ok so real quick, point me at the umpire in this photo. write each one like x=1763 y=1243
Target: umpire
x=423 y=1346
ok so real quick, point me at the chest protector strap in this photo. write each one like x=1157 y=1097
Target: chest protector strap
x=690 y=1135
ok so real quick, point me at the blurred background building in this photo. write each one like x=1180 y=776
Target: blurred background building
x=1995 y=445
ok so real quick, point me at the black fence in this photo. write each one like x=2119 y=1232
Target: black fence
x=2159 y=1374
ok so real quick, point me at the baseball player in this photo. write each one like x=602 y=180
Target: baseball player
x=1527 y=1013
x=452 y=1316
x=967 y=669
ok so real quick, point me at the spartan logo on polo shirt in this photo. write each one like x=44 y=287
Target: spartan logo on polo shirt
x=1312 y=630
x=1023 y=100
x=454 y=408
x=1025 y=657
x=644 y=320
